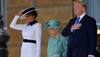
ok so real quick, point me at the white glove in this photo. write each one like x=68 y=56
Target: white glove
x=22 y=17
x=55 y=55
x=91 y=56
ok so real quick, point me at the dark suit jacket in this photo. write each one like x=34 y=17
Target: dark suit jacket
x=82 y=41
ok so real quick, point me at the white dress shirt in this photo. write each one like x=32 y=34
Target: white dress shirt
x=31 y=33
x=81 y=16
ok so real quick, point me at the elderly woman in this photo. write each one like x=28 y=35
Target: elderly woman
x=57 y=44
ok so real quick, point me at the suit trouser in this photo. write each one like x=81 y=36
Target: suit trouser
x=77 y=52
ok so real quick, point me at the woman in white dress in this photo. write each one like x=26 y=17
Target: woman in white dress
x=31 y=32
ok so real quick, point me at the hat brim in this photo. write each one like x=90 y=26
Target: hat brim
x=26 y=11
x=53 y=27
x=30 y=11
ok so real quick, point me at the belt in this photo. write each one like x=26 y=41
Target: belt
x=29 y=41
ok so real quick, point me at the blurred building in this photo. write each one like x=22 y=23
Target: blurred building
x=48 y=9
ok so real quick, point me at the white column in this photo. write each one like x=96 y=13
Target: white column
x=93 y=10
x=4 y=11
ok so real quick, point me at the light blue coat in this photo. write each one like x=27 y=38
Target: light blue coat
x=57 y=47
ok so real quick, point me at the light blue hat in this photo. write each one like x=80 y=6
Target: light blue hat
x=53 y=23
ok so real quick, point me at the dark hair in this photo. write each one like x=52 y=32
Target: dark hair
x=32 y=13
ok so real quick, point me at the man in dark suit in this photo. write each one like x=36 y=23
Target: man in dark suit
x=82 y=33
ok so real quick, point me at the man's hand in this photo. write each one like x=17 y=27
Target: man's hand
x=75 y=26
x=91 y=56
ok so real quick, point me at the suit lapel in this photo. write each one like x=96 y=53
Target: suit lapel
x=83 y=19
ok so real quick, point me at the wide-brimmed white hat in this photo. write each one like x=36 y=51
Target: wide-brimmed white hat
x=26 y=11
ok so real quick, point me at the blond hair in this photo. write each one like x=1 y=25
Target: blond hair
x=80 y=2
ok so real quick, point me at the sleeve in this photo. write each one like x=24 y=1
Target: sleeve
x=16 y=26
x=38 y=40
x=65 y=42
x=67 y=30
x=92 y=30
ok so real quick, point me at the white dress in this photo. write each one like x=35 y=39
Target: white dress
x=31 y=33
